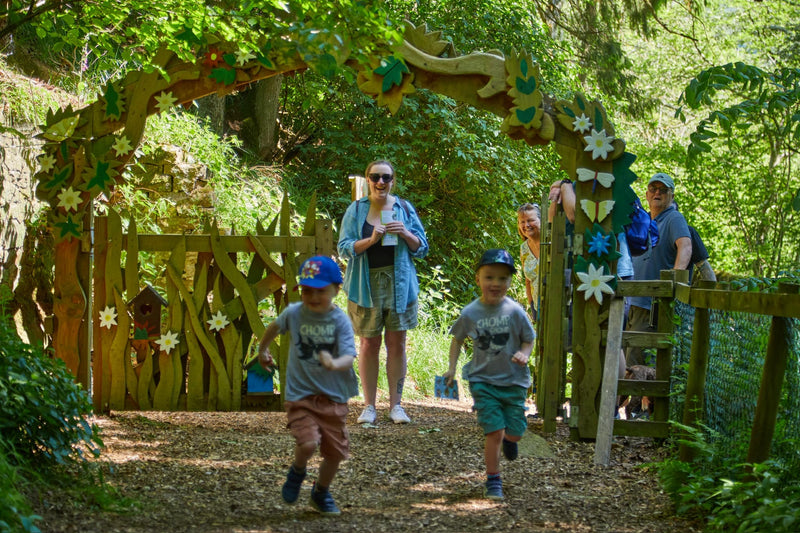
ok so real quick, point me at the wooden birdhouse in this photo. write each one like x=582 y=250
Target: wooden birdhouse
x=259 y=381
x=146 y=309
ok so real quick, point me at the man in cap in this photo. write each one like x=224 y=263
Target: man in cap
x=672 y=252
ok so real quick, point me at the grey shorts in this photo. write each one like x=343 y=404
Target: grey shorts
x=371 y=321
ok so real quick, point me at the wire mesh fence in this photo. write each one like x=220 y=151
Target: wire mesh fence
x=737 y=350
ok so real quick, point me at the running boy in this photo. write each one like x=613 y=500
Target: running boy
x=319 y=379
x=498 y=374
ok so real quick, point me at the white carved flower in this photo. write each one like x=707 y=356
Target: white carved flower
x=594 y=283
x=581 y=124
x=122 y=146
x=218 y=321
x=165 y=101
x=598 y=143
x=168 y=341
x=108 y=317
x=69 y=199
x=243 y=56
x=47 y=162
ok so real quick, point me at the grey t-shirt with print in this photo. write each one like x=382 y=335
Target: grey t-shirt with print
x=497 y=332
x=309 y=333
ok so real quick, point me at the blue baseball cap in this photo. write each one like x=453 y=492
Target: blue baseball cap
x=319 y=271
x=663 y=178
x=497 y=256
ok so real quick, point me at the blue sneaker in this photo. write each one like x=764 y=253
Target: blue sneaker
x=291 y=489
x=493 y=490
x=510 y=449
x=323 y=502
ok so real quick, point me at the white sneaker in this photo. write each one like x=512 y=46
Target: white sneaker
x=398 y=415
x=367 y=415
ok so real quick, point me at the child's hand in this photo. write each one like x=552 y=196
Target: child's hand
x=520 y=358
x=266 y=361
x=448 y=377
x=325 y=359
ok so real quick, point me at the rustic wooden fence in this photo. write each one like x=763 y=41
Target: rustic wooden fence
x=192 y=353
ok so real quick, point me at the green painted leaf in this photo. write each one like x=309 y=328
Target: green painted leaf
x=523 y=67
x=230 y=59
x=101 y=177
x=526 y=115
x=392 y=70
x=567 y=111
x=526 y=86
x=223 y=75
x=188 y=36
x=112 y=98
x=598 y=120
x=59 y=177
x=580 y=102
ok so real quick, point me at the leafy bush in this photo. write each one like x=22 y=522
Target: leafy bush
x=746 y=498
x=14 y=507
x=43 y=412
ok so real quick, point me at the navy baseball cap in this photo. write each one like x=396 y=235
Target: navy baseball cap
x=319 y=271
x=497 y=256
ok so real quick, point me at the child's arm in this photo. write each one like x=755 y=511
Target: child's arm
x=455 y=351
x=524 y=353
x=264 y=357
x=344 y=362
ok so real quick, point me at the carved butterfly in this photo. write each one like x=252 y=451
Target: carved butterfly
x=597 y=211
x=605 y=178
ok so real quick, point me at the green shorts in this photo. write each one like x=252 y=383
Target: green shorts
x=500 y=407
x=371 y=321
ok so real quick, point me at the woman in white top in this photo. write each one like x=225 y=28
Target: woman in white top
x=529 y=223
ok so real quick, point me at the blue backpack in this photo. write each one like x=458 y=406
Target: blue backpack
x=642 y=232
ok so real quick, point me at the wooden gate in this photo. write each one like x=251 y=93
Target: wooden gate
x=190 y=354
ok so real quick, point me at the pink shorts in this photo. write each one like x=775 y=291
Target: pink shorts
x=321 y=420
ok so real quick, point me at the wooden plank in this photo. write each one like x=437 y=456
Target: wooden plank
x=119 y=335
x=232 y=243
x=608 y=397
x=769 y=394
x=99 y=363
x=641 y=428
x=657 y=288
x=696 y=379
x=644 y=339
x=549 y=392
x=774 y=304
x=636 y=387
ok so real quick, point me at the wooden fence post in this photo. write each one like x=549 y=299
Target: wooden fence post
x=696 y=381
x=769 y=394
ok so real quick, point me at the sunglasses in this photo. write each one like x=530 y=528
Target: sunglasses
x=387 y=178
x=653 y=189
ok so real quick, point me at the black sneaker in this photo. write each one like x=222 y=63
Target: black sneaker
x=493 y=490
x=510 y=449
x=291 y=489
x=323 y=502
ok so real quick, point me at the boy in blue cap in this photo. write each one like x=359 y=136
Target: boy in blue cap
x=319 y=378
x=498 y=375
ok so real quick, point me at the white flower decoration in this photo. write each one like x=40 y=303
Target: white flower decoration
x=47 y=162
x=69 y=199
x=218 y=321
x=168 y=341
x=598 y=143
x=108 y=317
x=122 y=146
x=165 y=101
x=243 y=56
x=581 y=124
x=594 y=283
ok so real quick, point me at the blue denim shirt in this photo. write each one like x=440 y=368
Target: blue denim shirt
x=356 y=277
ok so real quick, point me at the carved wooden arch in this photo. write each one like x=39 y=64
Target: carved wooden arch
x=87 y=150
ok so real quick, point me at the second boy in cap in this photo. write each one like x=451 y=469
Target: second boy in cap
x=498 y=375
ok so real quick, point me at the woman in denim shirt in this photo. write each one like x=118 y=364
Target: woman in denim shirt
x=379 y=236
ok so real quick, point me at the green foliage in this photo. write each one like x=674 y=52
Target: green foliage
x=14 y=508
x=731 y=497
x=43 y=412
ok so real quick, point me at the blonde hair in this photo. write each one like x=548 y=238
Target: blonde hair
x=524 y=208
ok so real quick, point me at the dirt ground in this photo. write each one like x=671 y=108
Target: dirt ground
x=222 y=472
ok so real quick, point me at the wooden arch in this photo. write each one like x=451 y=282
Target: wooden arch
x=86 y=151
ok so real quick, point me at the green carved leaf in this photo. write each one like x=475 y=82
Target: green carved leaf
x=392 y=70
x=526 y=86
x=225 y=76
